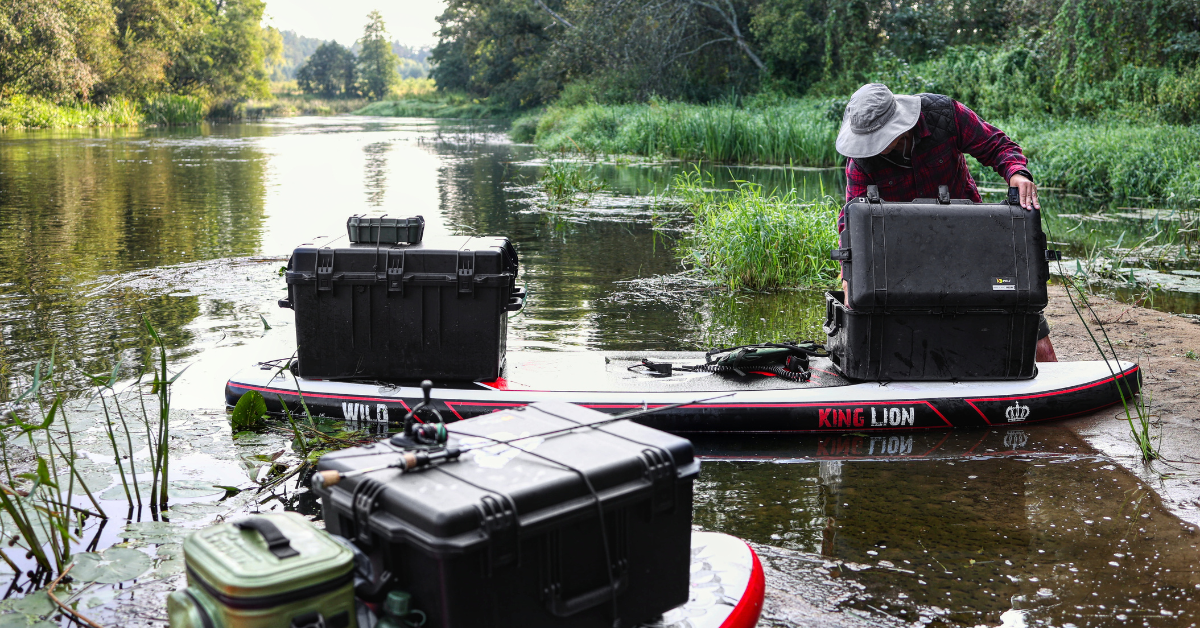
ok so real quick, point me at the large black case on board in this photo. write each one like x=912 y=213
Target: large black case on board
x=502 y=538
x=434 y=310
x=939 y=290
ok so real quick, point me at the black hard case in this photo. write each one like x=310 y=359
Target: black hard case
x=929 y=345
x=434 y=310
x=380 y=229
x=949 y=255
x=512 y=540
x=940 y=289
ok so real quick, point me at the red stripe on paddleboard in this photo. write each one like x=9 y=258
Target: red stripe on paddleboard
x=489 y=404
x=749 y=607
x=1054 y=393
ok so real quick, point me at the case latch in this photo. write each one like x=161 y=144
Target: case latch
x=324 y=270
x=363 y=503
x=944 y=194
x=466 y=271
x=872 y=193
x=660 y=470
x=841 y=255
x=1053 y=256
x=499 y=523
x=395 y=271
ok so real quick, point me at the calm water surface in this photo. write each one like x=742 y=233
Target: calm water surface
x=188 y=227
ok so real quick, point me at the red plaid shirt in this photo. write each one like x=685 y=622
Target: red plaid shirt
x=934 y=165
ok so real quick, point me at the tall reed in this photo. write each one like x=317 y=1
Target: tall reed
x=799 y=133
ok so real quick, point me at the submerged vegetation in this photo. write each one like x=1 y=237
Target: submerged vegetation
x=756 y=239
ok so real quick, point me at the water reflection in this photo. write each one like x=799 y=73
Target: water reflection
x=963 y=527
x=75 y=207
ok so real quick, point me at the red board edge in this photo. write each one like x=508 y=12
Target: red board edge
x=748 y=609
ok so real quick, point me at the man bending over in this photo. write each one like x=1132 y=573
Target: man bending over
x=910 y=145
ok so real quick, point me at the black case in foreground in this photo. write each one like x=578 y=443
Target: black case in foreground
x=433 y=310
x=502 y=538
x=940 y=289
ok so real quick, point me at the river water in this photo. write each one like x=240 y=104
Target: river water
x=188 y=228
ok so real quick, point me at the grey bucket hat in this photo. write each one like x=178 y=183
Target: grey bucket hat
x=874 y=117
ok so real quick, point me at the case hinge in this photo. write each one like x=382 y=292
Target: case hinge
x=466 y=271
x=1053 y=256
x=499 y=523
x=395 y=271
x=324 y=270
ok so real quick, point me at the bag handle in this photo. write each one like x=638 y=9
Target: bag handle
x=279 y=544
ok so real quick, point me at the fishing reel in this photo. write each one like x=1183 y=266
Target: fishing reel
x=422 y=434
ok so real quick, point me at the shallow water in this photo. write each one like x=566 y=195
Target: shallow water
x=189 y=227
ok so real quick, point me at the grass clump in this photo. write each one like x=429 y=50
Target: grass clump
x=568 y=184
x=748 y=238
x=172 y=109
x=796 y=132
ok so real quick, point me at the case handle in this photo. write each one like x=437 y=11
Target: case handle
x=516 y=300
x=833 y=318
x=279 y=544
x=571 y=606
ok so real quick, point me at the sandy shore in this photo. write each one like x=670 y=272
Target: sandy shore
x=1160 y=343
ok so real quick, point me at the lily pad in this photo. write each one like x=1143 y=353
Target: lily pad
x=152 y=532
x=180 y=489
x=36 y=604
x=193 y=511
x=113 y=565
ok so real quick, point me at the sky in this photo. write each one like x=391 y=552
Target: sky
x=412 y=22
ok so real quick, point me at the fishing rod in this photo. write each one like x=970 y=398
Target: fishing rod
x=410 y=460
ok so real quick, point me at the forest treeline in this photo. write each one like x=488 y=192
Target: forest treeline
x=1005 y=57
x=184 y=55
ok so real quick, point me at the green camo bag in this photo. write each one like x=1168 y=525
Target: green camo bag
x=266 y=571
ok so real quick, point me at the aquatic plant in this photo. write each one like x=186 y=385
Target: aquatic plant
x=568 y=183
x=758 y=240
x=173 y=109
x=36 y=502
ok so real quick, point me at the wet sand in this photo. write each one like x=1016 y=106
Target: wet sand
x=1160 y=343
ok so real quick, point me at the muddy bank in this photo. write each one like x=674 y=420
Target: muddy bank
x=1161 y=343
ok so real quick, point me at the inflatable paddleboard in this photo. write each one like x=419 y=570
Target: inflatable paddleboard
x=726 y=588
x=709 y=402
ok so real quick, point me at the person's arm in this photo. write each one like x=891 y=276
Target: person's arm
x=856 y=186
x=997 y=151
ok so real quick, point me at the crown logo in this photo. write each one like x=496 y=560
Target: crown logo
x=1015 y=439
x=1016 y=412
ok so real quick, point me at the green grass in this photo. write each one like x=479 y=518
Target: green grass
x=798 y=132
x=758 y=240
x=27 y=112
x=429 y=108
x=1118 y=160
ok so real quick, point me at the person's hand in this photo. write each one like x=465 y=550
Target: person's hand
x=1027 y=191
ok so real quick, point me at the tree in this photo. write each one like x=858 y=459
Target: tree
x=376 y=61
x=54 y=48
x=329 y=71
